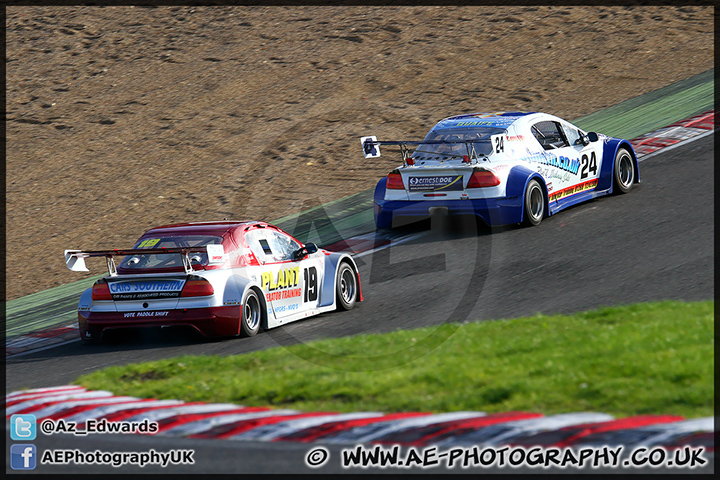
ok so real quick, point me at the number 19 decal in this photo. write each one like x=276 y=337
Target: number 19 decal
x=311 y=292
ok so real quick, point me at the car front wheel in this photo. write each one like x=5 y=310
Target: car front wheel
x=623 y=171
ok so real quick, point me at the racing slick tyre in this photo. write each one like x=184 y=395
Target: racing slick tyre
x=346 y=287
x=251 y=315
x=623 y=172
x=534 y=209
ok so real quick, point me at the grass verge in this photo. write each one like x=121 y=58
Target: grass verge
x=650 y=358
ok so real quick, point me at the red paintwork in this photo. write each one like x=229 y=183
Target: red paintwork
x=232 y=233
x=209 y=321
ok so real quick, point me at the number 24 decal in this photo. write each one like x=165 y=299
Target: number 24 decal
x=499 y=144
x=588 y=164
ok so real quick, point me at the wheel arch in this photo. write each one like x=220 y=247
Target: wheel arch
x=263 y=306
x=610 y=150
x=349 y=260
x=237 y=288
x=332 y=266
x=517 y=183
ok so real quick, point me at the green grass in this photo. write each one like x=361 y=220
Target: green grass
x=653 y=358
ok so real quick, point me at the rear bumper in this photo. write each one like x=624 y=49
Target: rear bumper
x=209 y=321
x=492 y=211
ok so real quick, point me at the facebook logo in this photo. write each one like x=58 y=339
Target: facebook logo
x=23 y=427
x=22 y=456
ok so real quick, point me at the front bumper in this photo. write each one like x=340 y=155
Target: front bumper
x=209 y=321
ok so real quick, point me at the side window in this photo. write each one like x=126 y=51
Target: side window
x=550 y=135
x=572 y=135
x=271 y=246
x=260 y=245
x=282 y=245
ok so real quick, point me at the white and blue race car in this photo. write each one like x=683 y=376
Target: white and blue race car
x=503 y=167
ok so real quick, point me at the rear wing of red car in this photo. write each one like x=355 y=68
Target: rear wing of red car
x=75 y=259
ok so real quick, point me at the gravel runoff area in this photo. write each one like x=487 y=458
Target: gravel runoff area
x=124 y=118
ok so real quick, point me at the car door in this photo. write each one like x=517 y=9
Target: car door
x=589 y=153
x=562 y=160
x=290 y=285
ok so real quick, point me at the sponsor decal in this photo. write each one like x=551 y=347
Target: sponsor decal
x=580 y=187
x=153 y=313
x=571 y=165
x=216 y=254
x=445 y=182
x=549 y=173
x=142 y=289
x=473 y=123
x=149 y=243
x=283 y=294
x=282 y=285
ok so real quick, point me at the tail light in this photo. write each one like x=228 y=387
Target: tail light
x=395 y=182
x=197 y=287
x=101 y=291
x=483 y=178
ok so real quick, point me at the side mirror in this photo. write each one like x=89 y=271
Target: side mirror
x=592 y=136
x=302 y=252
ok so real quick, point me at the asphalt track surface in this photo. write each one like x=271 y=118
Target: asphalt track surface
x=655 y=243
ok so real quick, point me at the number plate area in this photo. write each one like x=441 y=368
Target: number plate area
x=435 y=183
x=146 y=289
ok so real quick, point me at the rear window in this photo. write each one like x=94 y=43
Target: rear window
x=138 y=262
x=479 y=136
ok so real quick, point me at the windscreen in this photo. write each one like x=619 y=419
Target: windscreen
x=479 y=136
x=137 y=262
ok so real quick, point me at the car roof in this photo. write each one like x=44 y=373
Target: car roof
x=485 y=119
x=218 y=228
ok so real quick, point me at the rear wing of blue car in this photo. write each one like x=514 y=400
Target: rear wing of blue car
x=75 y=259
x=371 y=147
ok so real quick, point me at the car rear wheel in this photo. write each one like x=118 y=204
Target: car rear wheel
x=534 y=204
x=346 y=287
x=251 y=315
x=623 y=171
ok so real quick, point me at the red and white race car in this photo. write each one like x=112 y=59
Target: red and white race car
x=221 y=278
